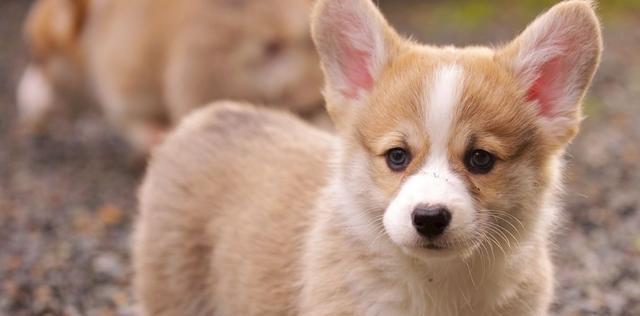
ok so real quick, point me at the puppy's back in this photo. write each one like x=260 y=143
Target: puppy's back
x=216 y=197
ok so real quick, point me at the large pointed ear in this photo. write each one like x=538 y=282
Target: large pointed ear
x=354 y=42
x=554 y=60
x=53 y=26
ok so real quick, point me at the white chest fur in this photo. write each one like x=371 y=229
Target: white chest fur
x=407 y=286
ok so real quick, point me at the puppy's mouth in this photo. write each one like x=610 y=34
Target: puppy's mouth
x=432 y=246
x=430 y=249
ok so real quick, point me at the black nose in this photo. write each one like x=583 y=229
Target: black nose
x=431 y=221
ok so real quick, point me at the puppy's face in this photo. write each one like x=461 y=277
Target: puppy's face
x=271 y=53
x=451 y=150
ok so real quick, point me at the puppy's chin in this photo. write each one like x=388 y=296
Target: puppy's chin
x=438 y=249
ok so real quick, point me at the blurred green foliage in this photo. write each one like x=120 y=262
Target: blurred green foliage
x=475 y=13
x=592 y=106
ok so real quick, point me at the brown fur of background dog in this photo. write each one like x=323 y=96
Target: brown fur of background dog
x=149 y=62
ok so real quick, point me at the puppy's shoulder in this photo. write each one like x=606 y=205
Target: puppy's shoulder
x=233 y=125
x=231 y=140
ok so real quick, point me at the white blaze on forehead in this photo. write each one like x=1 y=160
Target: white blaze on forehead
x=441 y=102
x=435 y=183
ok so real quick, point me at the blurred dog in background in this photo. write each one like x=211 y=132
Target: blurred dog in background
x=149 y=62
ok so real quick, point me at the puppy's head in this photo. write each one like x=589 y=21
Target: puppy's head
x=52 y=32
x=448 y=149
x=270 y=54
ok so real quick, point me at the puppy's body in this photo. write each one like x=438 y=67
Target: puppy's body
x=217 y=235
x=438 y=197
x=231 y=203
x=149 y=62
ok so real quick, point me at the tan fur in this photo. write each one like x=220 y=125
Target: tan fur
x=149 y=62
x=177 y=270
x=250 y=212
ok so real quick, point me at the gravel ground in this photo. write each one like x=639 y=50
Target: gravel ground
x=67 y=199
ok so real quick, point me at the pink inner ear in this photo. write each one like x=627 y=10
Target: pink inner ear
x=355 y=54
x=354 y=65
x=548 y=87
x=553 y=80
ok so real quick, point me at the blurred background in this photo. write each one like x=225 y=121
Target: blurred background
x=67 y=197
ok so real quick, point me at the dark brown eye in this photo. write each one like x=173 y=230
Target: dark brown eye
x=398 y=159
x=479 y=161
x=273 y=48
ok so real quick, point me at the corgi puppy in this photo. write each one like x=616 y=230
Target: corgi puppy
x=437 y=196
x=149 y=62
